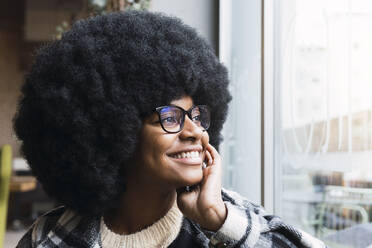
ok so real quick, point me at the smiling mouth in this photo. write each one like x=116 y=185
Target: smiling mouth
x=191 y=154
x=190 y=157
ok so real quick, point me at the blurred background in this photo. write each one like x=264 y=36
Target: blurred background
x=25 y=25
x=298 y=139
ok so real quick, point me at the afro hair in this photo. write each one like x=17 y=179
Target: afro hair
x=86 y=95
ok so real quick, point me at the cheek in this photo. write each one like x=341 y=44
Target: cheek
x=205 y=139
x=160 y=145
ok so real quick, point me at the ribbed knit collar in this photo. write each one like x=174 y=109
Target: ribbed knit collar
x=160 y=234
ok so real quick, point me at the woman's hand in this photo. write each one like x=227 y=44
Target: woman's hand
x=203 y=204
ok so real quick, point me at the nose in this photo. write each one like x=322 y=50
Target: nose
x=190 y=130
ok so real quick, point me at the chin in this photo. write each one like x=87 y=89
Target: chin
x=191 y=178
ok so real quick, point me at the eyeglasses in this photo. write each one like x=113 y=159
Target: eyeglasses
x=172 y=118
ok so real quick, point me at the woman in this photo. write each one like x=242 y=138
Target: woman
x=116 y=120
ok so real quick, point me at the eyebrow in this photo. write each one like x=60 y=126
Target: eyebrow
x=181 y=107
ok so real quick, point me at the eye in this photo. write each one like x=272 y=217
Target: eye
x=169 y=120
x=196 y=118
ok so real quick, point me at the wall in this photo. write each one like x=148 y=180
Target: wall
x=9 y=83
x=200 y=14
x=11 y=75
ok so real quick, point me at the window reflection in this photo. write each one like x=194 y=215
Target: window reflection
x=325 y=127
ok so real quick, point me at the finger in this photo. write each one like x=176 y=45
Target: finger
x=208 y=158
x=214 y=153
x=215 y=157
x=211 y=149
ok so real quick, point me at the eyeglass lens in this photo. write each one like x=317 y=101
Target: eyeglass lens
x=172 y=118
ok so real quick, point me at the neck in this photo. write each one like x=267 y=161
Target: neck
x=140 y=206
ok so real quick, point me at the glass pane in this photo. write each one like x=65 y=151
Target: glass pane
x=324 y=125
x=240 y=151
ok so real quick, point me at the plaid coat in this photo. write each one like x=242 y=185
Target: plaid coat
x=247 y=225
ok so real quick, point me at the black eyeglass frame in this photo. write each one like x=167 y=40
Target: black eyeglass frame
x=184 y=112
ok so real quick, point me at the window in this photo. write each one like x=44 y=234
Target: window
x=240 y=51
x=322 y=116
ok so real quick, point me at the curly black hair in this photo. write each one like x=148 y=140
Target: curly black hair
x=86 y=95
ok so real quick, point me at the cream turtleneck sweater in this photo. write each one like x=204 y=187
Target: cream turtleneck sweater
x=160 y=234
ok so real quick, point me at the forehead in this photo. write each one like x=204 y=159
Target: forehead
x=184 y=102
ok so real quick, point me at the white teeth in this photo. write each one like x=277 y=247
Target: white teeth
x=192 y=154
